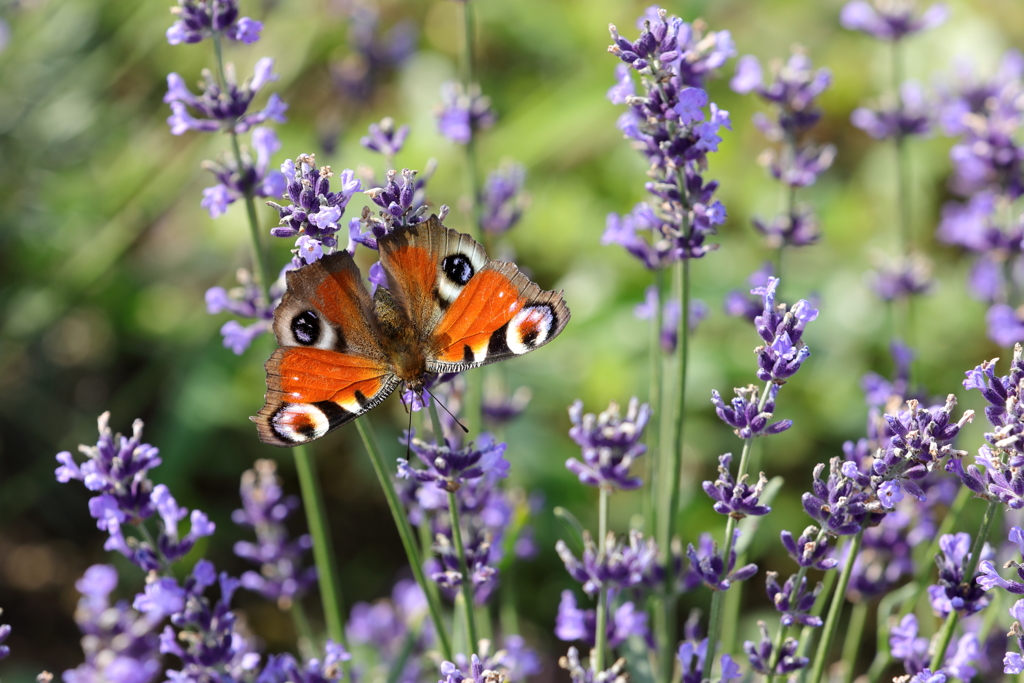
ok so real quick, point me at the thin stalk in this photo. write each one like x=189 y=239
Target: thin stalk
x=808 y=635
x=828 y=631
x=717 y=599
x=669 y=509
x=302 y=629
x=601 y=629
x=654 y=401
x=263 y=273
x=851 y=644
x=466 y=586
x=323 y=548
x=405 y=532
x=970 y=569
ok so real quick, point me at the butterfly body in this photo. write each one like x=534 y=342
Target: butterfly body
x=446 y=308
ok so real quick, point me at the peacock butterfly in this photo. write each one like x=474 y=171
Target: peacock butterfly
x=447 y=308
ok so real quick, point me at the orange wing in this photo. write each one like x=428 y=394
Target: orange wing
x=311 y=391
x=332 y=367
x=499 y=314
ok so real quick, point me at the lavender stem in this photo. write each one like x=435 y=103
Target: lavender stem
x=654 y=401
x=855 y=629
x=828 y=631
x=466 y=585
x=405 y=532
x=601 y=629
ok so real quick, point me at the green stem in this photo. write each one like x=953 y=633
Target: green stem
x=653 y=400
x=718 y=598
x=467 y=581
x=669 y=509
x=970 y=570
x=263 y=273
x=902 y=167
x=303 y=630
x=828 y=631
x=851 y=644
x=323 y=549
x=601 y=630
x=405 y=532
x=780 y=637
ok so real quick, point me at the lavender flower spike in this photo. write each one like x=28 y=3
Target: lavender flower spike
x=385 y=138
x=989 y=578
x=958 y=590
x=735 y=500
x=784 y=351
x=890 y=21
x=618 y=565
x=713 y=570
x=448 y=467
x=808 y=551
x=609 y=443
x=588 y=673
x=744 y=416
x=463 y=113
x=760 y=654
x=199 y=19
x=5 y=632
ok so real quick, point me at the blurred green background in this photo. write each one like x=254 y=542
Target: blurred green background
x=105 y=255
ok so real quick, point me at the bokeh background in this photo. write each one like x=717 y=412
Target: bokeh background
x=105 y=255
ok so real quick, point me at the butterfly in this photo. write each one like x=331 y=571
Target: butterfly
x=447 y=308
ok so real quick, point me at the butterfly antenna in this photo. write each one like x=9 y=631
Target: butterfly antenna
x=464 y=429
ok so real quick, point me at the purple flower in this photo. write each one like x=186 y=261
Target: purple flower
x=284 y=668
x=448 y=466
x=223 y=108
x=740 y=304
x=265 y=508
x=573 y=623
x=375 y=52
x=586 y=673
x=808 y=550
x=879 y=391
x=913 y=650
x=989 y=577
x=745 y=415
x=199 y=19
x=958 y=588
x=464 y=113
x=972 y=226
x=387 y=626
x=735 y=500
x=5 y=632
x=117 y=469
x=906 y=277
x=119 y=644
x=793 y=91
x=838 y=504
x=245 y=301
x=890 y=21
x=692 y=655
x=502 y=199
x=609 y=444
x=912 y=115
x=500 y=407
x=619 y=564
x=710 y=567
x=798 y=229
x=315 y=210
x=886 y=554
x=255 y=177
x=784 y=351
x=760 y=654
x=385 y=138
x=671 y=312
x=400 y=205
x=1005 y=326
x=793 y=601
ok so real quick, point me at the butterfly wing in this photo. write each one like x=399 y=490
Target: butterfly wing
x=466 y=310
x=331 y=367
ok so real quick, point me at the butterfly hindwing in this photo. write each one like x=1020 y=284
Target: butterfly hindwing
x=332 y=366
x=311 y=391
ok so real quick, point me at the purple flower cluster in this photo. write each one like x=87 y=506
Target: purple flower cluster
x=254 y=177
x=792 y=92
x=915 y=652
x=245 y=301
x=387 y=627
x=745 y=414
x=958 y=589
x=735 y=499
x=5 y=632
x=709 y=567
x=502 y=199
x=281 y=578
x=117 y=470
x=384 y=138
x=580 y=672
x=890 y=21
x=400 y=205
x=119 y=643
x=784 y=351
x=463 y=113
x=760 y=654
x=573 y=623
x=739 y=304
x=902 y=277
x=223 y=107
x=200 y=19
x=692 y=656
x=810 y=550
x=448 y=467
x=374 y=52
x=1013 y=663
x=513 y=664
x=668 y=124
x=619 y=564
x=886 y=556
x=315 y=209
x=284 y=668
x=609 y=444
x=988 y=172
x=1002 y=458
x=910 y=114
